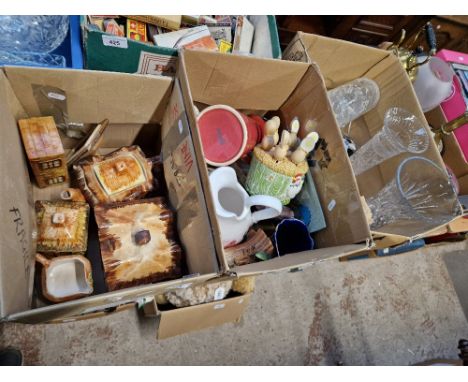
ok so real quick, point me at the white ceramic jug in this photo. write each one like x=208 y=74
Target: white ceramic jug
x=233 y=204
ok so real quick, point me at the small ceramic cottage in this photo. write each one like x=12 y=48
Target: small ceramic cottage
x=44 y=150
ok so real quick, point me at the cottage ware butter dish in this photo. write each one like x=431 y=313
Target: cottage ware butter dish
x=122 y=175
x=62 y=226
x=137 y=242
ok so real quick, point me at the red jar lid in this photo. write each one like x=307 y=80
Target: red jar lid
x=223 y=134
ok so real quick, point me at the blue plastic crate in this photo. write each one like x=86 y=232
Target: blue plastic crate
x=71 y=47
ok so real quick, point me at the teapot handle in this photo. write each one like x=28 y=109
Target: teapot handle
x=274 y=204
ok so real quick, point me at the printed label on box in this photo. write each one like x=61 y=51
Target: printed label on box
x=157 y=64
x=219 y=294
x=116 y=42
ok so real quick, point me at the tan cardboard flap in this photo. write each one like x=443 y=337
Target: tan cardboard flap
x=452 y=155
x=298 y=260
x=16 y=211
x=338 y=63
x=460 y=224
x=93 y=95
x=185 y=189
x=198 y=317
x=90 y=304
x=203 y=169
x=334 y=180
x=241 y=82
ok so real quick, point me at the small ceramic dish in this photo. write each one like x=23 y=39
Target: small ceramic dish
x=65 y=278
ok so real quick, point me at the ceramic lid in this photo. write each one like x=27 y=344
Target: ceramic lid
x=223 y=134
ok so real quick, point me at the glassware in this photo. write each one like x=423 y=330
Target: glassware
x=402 y=132
x=420 y=192
x=353 y=99
x=32 y=59
x=29 y=40
x=39 y=34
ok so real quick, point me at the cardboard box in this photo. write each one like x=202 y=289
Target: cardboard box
x=136 y=106
x=452 y=154
x=118 y=54
x=188 y=319
x=342 y=61
x=258 y=85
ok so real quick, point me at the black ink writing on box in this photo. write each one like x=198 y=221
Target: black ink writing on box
x=18 y=222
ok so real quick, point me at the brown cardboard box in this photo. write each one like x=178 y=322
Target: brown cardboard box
x=258 y=85
x=135 y=106
x=452 y=154
x=174 y=322
x=342 y=61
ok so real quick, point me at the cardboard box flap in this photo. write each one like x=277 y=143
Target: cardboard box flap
x=338 y=63
x=101 y=302
x=185 y=190
x=183 y=320
x=298 y=260
x=93 y=95
x=191 y=117
x=239 y=81
x=333 y=177
x=16 y=210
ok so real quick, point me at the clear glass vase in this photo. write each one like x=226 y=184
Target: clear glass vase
x=354 y=99
x=420 y=192
x=402 y=132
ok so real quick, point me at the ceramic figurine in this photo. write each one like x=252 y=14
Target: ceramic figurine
x=44 y=149
x=270 y=133
x=281 y=150
x=62 y=226
x=305 y=147
x=294 y=130
x=232 y=204
x=65 y=278
x=122 y=175
x=137 y=241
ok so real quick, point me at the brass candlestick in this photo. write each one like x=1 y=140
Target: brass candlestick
x=447 y=128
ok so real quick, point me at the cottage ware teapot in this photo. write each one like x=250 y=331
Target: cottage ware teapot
x=233 y=204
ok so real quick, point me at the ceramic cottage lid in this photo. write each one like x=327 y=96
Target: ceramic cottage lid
x=41 y=137
x=223 y=134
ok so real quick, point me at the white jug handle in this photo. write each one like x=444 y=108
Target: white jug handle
x=274 y=204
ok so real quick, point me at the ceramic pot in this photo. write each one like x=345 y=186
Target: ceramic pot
x=227 y=134
x=66 y=277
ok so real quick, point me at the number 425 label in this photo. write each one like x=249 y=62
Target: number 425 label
x=115 y=41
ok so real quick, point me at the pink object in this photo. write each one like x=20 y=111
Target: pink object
x=227 y=134
x=455 y=105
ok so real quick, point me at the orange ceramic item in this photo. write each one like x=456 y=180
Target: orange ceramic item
x=62 y=226
x=124 y=174
x=65 y=278
x=44 y=150
x=138 y=243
